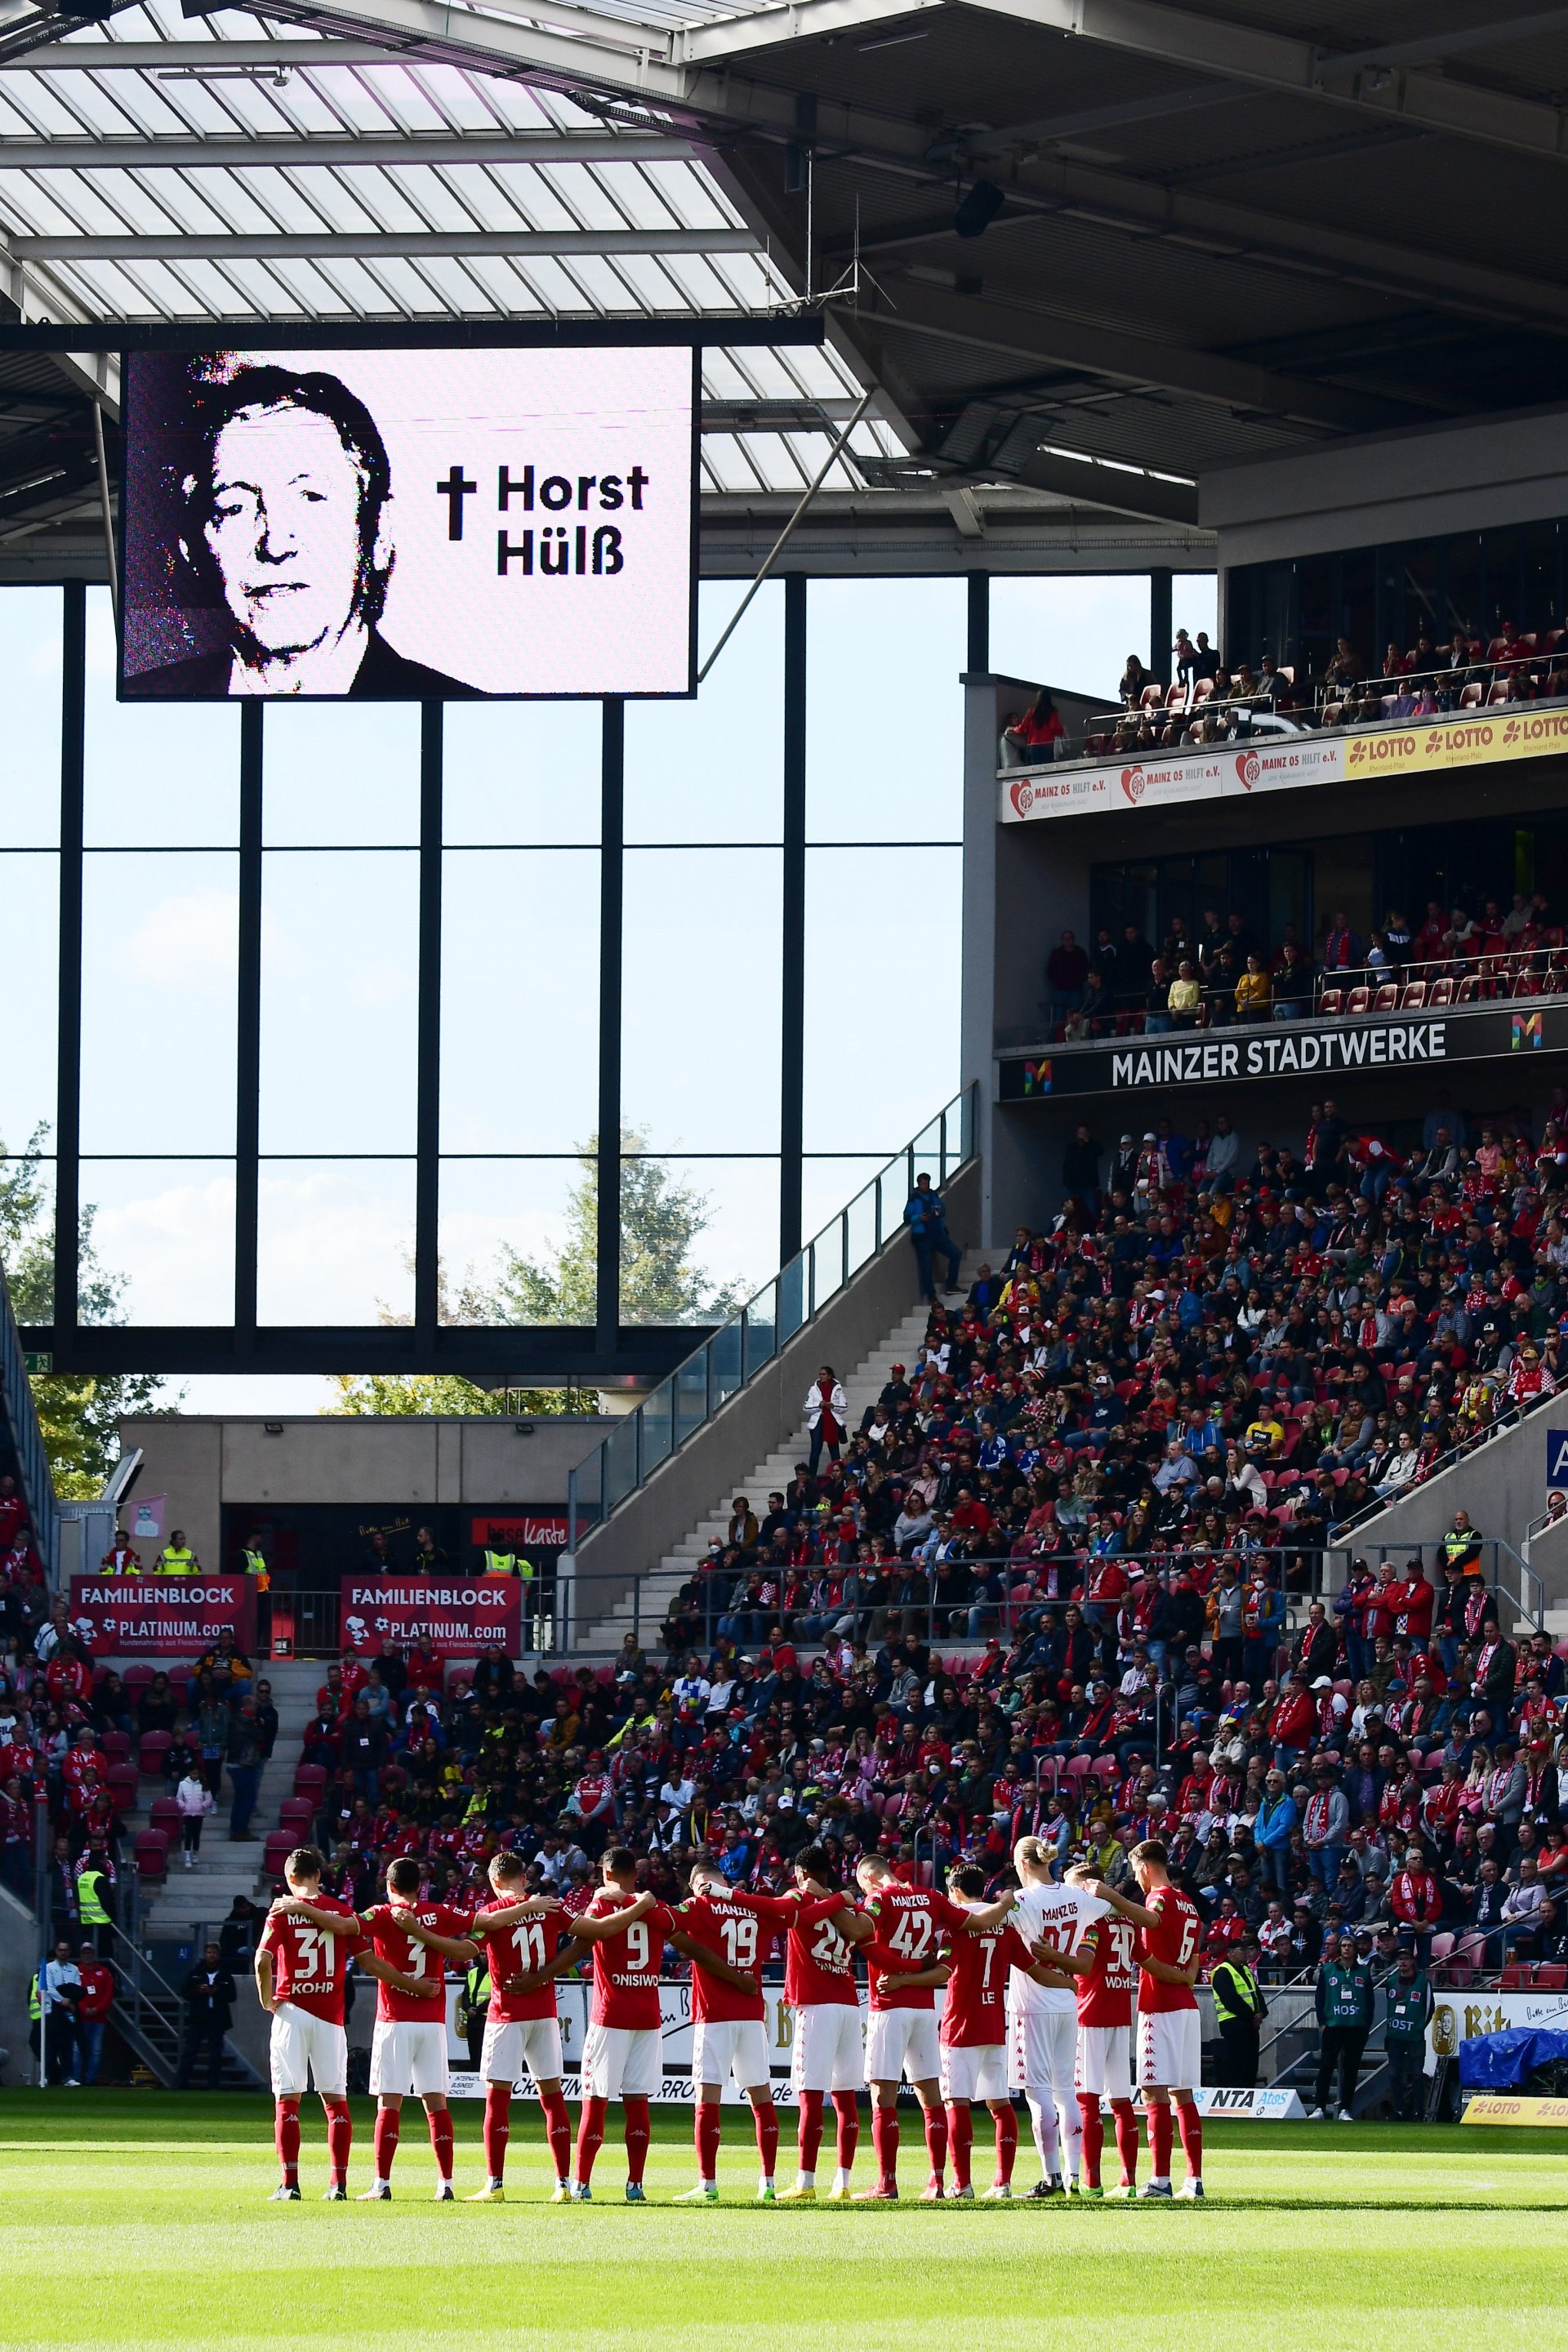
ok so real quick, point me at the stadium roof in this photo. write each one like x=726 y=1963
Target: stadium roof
x=1204 y=234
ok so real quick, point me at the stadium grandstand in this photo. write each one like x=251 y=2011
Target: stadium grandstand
x=783 y=1197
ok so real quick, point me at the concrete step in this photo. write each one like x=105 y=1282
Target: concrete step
x=773 y=1473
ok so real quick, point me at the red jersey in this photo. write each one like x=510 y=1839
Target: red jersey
x=405 y=1953
x=974 y=2015
x=1173 y=1941
x=308 y=1964
x=735 y=1931
x=819 y=1965
x=1105 y=1993
x=909 y=1923
x=627 y=1967
x=521 y=1950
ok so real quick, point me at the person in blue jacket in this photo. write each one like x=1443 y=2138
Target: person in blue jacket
x=927 y=1221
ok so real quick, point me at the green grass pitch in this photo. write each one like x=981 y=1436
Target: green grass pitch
x=138 y=2220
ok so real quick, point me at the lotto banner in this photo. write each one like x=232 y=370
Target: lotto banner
x=1505 y=2107
x=162 y=1616
x=456 y=1617
x=1507 y=731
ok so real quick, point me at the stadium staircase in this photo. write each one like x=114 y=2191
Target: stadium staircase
x=644 y=1610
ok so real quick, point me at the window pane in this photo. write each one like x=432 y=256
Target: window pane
x=335 y=1241
x=490 y=1208
x=340 y=973
x=736 y=1250
x=829 y=1183
x=520 y=977
x=1195 y=605
x=30 y=1278
x=1071 y=631
x=884 y=709
x=159 y=946
x=522 y=772
x=879 y=926
x=163 y=1232
x=341 y=773
x=162 y=772
x=712 y=770
x=31 y=620
x=700 y=1003
x=31 y=886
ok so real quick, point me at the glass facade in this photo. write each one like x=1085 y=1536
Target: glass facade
x=361 y=1006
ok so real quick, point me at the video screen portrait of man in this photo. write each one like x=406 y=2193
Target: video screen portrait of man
x=275 y=491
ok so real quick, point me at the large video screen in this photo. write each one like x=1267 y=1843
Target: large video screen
x=408 y=525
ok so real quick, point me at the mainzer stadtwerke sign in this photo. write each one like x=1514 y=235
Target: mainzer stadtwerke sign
x=1333 y=1049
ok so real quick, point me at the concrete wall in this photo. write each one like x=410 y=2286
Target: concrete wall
x=1502 y=1486
x=203 y=1463
x=684 y=1489
x=19 y=1958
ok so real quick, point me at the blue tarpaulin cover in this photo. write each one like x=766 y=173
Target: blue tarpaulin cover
x=1501 y=2061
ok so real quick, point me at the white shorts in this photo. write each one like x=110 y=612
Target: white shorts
x=1042 y=2050
x=903 y=2041
x=1105 y=2061
x=621 y=2059
x=529 y=2045
x=1170 y=2049
x=408 y=2058
x=979 y=2072
x=724 y=2046
x=829 y=2051
x=302 y=2042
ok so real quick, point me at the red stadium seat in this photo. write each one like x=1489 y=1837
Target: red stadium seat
x=1413 y=997
x=155 y=1746
x=1358 y=1000
x=1387 y=997
x=1468 y=990
x=1331 y=999
x=124 y=1785
x=296 y=1814
x=279 y=1845
x=151 y=1853
x=136 y=1679
x=165 y=1815
x=1470 y=695
x=1440 y=992
x=116 y=1746
x=310 y=1781
x=1551 y=1976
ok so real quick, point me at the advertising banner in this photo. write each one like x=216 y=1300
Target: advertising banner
x=162 y=1616
x=457 y=1617
x=1506 y=2108
x=1459 y=2016
x=519 y=1528
x=1279 y=1049
x=1210 y=772
x=1207 y=771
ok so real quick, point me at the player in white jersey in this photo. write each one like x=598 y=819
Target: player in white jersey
x=1042 y=2020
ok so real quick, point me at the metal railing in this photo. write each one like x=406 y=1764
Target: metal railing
x=684 y=1402
x=32 y=1457
x=1165 y=719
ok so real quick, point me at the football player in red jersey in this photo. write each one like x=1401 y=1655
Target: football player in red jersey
x=1169 y=2047
x=724 y=1935
x=975 y=2031
x=623 y=2054
x=828 y=2053
x=302 y=1960
x=1105 y=1963
x=521 y=1935
x=901 y=1930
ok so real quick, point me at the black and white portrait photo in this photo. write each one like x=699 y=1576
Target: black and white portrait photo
x=408 y=525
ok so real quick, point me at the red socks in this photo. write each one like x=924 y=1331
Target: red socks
x=440 y=2122
x=340 y=2139
x=286 y=2139
x=846 y=2108
x=810 y=2134
x=1006 y=2124
x=558 y=2130
x=1126 y=2140
x=1160 y=2140
x=936 y=2141
x=1093 y=2136
x=706 y=2126
x=497 y=2129
x=1190 y=2124
x=389 y=2122
x=590 y=2137
x=961 y=2140
x=639 y=2130
x=885 y=2140
x=766 y=2119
